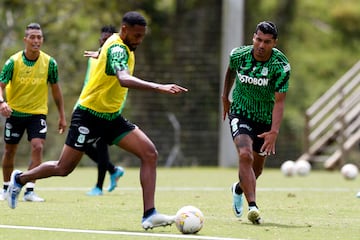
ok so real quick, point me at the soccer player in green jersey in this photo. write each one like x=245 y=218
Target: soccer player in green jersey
x=260 y=74
x=26 y=77
x=99 y=115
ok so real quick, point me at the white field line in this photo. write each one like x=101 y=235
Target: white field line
x=208 y=189
x=141 y=234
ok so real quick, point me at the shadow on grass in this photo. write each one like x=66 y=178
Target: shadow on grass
x=279 y=225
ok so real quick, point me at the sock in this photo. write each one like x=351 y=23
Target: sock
x=238 y=189
x=30 y=187
x=5 y=185
x=148 y=212
x=252 y=204
x=17 y=180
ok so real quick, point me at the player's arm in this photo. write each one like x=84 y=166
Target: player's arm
x=57 y=94
x=117 y=62
x=129 y=81
x=277 y=115
x=92 y=54
x=5 y=77
x=228 y=82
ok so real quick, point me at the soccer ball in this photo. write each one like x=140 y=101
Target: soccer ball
x=349 y=171
x=288 y=168
x=189 y=220
x=302 y=167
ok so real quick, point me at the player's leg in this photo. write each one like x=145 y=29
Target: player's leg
x=37 y=145
x=13 y=131
x=247 y=179
x=115 y=172
x=94 y=154
x=140 y=145
x=67 y=162
x=7 y=166
x=36 y=131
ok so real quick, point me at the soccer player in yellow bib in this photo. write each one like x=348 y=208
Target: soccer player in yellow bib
x=98 y=115
x=26 y=77
x=99 y=152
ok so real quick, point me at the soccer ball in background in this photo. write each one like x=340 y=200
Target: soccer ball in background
x=302 y=167
x=349 y=171
x=189 y=220
x=288 y=168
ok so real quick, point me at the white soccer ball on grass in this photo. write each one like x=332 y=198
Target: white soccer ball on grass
x=189 y=220
x=288 y=168
x=302 y=167
x=349 y=171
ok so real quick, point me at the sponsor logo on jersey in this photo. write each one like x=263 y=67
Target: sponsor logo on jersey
x=253 y=80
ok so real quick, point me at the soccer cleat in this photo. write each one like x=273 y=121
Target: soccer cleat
x=13 y=190
x=237 y=202
x=31 y=196
x=254 y=215
x=119 y=172
x=3 y=195
x=157 y=220
x=95 y=192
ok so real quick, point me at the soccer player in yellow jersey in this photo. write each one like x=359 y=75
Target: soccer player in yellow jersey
x=26 y=77
x=99 y=152
x=98 y=115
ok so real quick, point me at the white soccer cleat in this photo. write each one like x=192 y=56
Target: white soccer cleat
x=3 y=195
x=31 y=196
x=254 y=215
x=13 y=190
x=237 y=206
x=157 y=220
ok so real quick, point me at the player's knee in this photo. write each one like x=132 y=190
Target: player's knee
x=245 y=154
x=151 y=156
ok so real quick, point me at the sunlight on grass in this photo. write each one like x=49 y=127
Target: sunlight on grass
x=321 y=205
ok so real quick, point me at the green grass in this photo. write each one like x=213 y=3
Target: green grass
x=319 y=206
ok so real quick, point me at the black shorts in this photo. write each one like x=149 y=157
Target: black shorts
x=35 y=126
x=86 y=129
x=242 y=125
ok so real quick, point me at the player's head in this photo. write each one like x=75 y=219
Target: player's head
x=264 y=40
x=267 y=27
x=133 y=29
x=33 y=37
x=106 y=32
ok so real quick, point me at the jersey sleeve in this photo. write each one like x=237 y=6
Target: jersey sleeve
x=53 y=76
x=7 y=71
x=233 y=58
x=283 y=76
x=117 y=59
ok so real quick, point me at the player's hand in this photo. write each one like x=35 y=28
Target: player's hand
x=268 y=147
x=62 y=126
x=5 y=110
x=171 y=88
x=92 y=54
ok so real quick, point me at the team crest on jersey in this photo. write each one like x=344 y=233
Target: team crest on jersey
x=264 y=71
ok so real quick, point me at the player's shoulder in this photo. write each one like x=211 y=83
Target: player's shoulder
x=279 y=59
x=279 y=56
x=242 y=50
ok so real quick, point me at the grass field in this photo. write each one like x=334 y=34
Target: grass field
x=319 y=206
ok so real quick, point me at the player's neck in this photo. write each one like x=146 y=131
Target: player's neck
x=31 y=55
